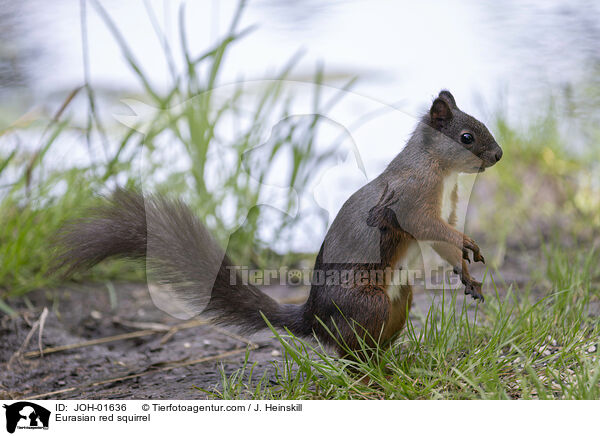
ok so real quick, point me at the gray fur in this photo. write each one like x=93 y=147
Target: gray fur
x=180 y=252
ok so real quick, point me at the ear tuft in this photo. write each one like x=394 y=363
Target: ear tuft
x=446 y=95
x=440 y=113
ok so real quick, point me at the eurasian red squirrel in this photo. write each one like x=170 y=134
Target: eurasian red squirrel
x=372 y=232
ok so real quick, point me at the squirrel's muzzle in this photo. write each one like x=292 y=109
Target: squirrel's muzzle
x=498 y=154
x=492 y=155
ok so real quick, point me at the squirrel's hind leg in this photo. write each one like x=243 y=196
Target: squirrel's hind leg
x=376 y=326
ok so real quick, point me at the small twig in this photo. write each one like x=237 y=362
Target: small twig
x=144 y=373
x=98 y=341
x=38 y=324
x=43 y=317
x=168 y=336
x=158 y=327
x=131 y=335
x=233 y=335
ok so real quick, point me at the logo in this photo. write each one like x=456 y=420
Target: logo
x=26 y=415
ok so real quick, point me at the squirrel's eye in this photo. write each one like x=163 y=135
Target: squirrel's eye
x=466 y=138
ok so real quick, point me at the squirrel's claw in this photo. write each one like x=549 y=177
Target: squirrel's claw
x=473 y=288
x=478 y=257
x=469 y=244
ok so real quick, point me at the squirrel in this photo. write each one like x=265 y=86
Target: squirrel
x=373 y=231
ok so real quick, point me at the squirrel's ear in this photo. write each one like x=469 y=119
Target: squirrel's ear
x=446 y=95
x=440 y=113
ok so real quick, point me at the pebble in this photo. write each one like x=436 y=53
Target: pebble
x=206 y=342
x=547 y=353
x=275 y=353
x=186 y=345
x=95 y=314
x=592 y=349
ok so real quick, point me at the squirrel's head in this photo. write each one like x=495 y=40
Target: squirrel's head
x=459 y=141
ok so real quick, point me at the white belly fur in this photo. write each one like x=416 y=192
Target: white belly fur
x=449 y=184
x=412 y=260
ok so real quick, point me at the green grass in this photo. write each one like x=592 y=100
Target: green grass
x=519 y=344
x=526 y=342
x=39 y=197
x=539 y=340
x=220 y=175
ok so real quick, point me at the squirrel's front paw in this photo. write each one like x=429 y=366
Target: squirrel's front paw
x=469 y=244
x=473 y=288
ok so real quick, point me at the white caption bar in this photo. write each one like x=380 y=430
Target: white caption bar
x=154 y=417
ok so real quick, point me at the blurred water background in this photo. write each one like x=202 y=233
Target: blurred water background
x=510 y=59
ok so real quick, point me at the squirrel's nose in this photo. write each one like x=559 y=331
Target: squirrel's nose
x=498 y=154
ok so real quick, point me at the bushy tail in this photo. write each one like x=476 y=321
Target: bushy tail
x=179 y=252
